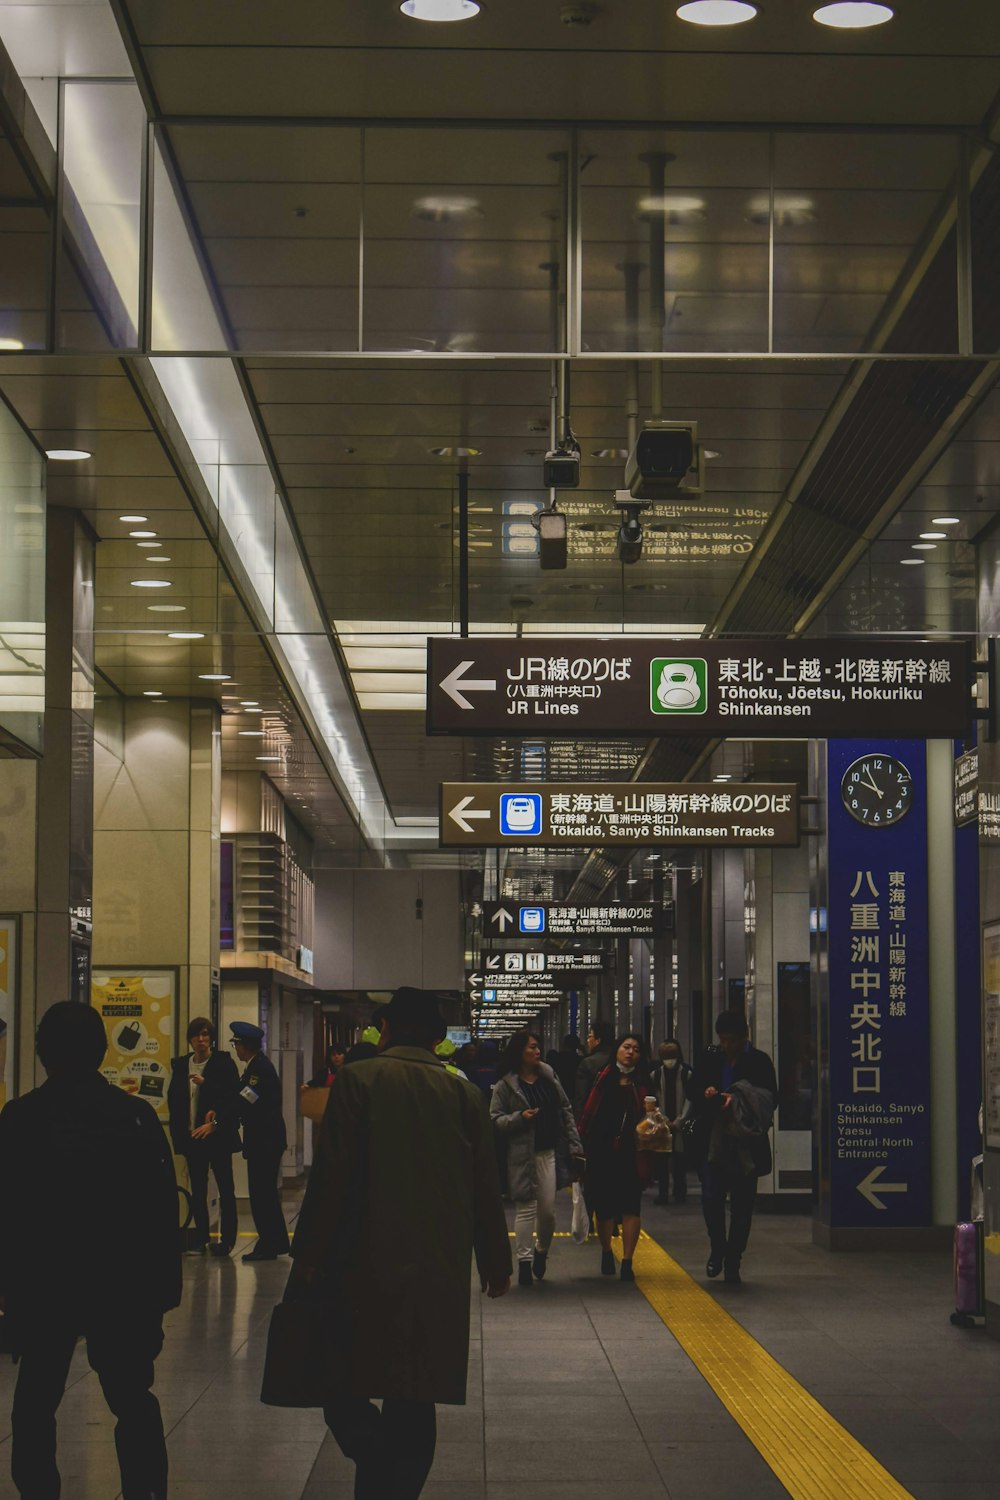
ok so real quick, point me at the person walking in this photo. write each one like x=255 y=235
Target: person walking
x=204 y=1129
x=264 y=1140
x=402 y=1191
x=600 y=1042
x=532 y=1115
x=328 y=1069
x=89 y=1246
x=668 y=1078
x=734 y=1091
x=616 y=1171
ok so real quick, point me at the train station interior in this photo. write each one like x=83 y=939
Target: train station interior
x=456 y=466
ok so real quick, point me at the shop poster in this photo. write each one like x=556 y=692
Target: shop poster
x=991 y=1050
x=138 y=1015
x=8 y=1006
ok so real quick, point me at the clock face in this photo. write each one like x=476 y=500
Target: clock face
x=877 y=790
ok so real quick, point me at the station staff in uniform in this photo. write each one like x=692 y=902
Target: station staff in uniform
x=264 y=1140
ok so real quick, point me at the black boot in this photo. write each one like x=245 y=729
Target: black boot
x=524 y=1273
x=538 y=1265
x=607 y=1263
x=627 y=1273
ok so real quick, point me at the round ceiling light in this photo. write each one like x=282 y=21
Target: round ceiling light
x=933 y=536
x=924 y=546
x=185 y=635
x=853 y=15
x=67 y=455
x=944 y=521
x=251 y=734
x=716 y=12
x=440 y=10
x=911 y=562
x=11 y=345
x=141 y=533
x=267 y=757
x=442 y=208
x=213 y=677
x=167 y=609
x=150 y=583
x=154 y=545
x=135 y=520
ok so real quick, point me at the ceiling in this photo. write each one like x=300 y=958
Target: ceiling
x=319 y=235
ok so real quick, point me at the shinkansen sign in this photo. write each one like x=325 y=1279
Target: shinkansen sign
x=824 y=689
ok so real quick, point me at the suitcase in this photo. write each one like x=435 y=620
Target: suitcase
x=968 y=1275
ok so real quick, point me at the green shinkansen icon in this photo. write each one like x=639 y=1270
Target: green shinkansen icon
x=678 y=685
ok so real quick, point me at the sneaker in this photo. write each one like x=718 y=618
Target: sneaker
x=538 y=1264
x=607 y=1262
x=524 y=1273
x=627 y=1272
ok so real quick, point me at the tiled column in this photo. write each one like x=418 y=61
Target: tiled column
x=156 y=848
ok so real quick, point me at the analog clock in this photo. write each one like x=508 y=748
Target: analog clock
x=877 y=790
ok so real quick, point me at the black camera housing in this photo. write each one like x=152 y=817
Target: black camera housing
x=561 y=469
x=665 y=461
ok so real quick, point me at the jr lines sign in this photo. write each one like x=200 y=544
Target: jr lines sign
x=769 y=689
x=554 y=815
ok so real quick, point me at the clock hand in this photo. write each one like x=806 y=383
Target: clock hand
x=874 y=788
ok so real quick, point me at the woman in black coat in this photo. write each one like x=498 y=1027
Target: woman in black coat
x=616 y=1171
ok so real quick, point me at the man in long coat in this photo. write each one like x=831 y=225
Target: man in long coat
x=402 y=1191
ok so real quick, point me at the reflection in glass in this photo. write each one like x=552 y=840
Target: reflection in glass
x=22 y=585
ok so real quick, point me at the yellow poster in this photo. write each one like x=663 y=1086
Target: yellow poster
x=138 y=1014
x=8 y=972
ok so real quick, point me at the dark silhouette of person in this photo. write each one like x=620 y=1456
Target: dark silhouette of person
x=84 y=1164
x=264 y=1139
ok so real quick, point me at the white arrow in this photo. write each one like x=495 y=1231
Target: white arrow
x=456 y=685
x=475 y=979
x=464 y=810
x=504 y=917
x=493 y=962
x=870 y=1186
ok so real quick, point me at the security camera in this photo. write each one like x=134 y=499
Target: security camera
x=628 y=543
x=561 y=469
x=665 y=461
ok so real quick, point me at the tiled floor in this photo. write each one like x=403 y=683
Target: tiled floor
x=577 y=1390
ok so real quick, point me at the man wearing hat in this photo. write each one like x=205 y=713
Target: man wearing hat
x=403 y=1189
x=264 y=1140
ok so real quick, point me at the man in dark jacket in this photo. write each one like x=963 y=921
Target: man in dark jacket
x=85 y=1165
x=264 y=1140
x=730 y=1165
x=600 y=1040
x=402 y=1191
x=204 y=1122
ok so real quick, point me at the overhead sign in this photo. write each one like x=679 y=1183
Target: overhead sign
x=966 y=788
x=879 y=1069
x=769 y=689
x=535 y=961
x=516 y=919
x=556 y=815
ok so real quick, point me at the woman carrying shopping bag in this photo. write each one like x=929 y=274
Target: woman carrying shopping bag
x=616 y=1171
x=533 y=1117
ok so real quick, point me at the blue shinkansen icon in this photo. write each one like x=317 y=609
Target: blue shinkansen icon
x=532 y=919
x=489 y=996
x=521 y=814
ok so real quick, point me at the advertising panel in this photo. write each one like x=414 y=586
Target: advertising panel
x=879 y=1014
x=138 y=1014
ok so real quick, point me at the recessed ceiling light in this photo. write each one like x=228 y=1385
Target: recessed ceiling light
x=911 y=562
x=151 y=558
x=853 y=15
x=154 y=545
x=924 y=546
x=136 y=520
x=256 y=734
x=716 y=12
x=933 y=536
x=213 y=677
x=442 y=208
x=67 y=455
x=152 y=693
x=142 y=533
x=185 y=635
x=11 y=345
x=267 y=757
x=632 y=880
x=150 y=583
x=725 y=776
x=249 y=702
x=253 y=710
x=944 y=521
x=677 y=208
x=456 y=452
x=167 y=609
x=440 y=10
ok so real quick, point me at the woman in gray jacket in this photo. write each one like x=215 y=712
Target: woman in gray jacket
x=534 y=1117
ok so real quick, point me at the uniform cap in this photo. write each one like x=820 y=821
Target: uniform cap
x=246 y=1031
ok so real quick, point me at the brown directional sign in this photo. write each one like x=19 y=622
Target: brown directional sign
x=540 y=919
x=557 y=815
x=644 y=685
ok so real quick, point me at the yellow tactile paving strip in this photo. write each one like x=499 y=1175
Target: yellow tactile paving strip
x=810 y=1453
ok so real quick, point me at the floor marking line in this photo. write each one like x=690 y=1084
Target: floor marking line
x=808 y=1450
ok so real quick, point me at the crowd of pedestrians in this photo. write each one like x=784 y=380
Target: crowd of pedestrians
x=382 y=1286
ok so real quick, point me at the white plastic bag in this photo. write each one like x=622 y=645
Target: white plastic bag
x=580 y=1227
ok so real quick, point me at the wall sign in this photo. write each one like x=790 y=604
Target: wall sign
x=879 y=1011
x=769 y=689
x=554 y=815
x=966 y=788
x=138 y=1014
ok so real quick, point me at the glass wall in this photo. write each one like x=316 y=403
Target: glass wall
x=22 y=585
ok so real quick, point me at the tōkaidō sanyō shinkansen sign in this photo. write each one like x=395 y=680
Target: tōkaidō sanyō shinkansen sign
x=557 y=815
x=820 y=689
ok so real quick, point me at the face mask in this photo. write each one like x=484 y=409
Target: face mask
x=670 y=1062
x=626 y=1070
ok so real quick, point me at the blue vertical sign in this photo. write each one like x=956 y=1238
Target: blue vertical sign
x=879 y=1012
